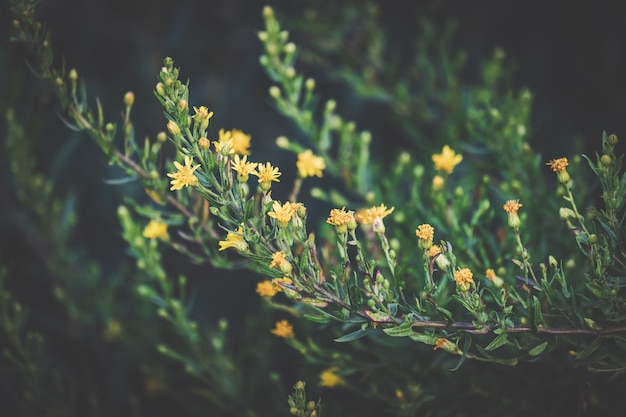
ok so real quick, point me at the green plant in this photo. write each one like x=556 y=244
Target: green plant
x=490 y=290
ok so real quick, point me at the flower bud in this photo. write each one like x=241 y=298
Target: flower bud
x=129 y=99
x=282 y=142
x=204 y=143
x=290 y=48
x=173 y=128
x=160 y=89
x=274 y=91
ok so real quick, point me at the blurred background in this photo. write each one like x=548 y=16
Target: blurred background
x=571 y=57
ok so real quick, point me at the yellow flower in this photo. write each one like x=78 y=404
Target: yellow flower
x=368 y=216
x=243 y=167
x=310 y=165
x=184 y=176
x=156 y=230
x=283 y=329
x=224 y=147
x=464 y=278
x=425 y=233
x=447 y=160
x=342 y=219
x=283 y=213
x=329 y=378
x=279 y=260
x=267 y=173
x=374 y=216
x=266 y=288
x=434 y=251
x=278 y=283
x=511 y=207
x=490 y=274
x=559 y=166
x=240 y=141
x=234 y=240
x=202 y=117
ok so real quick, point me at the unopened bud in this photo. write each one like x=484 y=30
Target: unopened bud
x=160 y=89
x=204 y=143
x=274 y=91
x=173 y=128
x=129 y=99
x=290 y=48
x=282 y=142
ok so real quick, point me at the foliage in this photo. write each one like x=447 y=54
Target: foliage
x=478 y=257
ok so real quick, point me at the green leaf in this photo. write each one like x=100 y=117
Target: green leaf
x=403 y=330
x=500 y=340
x=120 y=181
x=538 y=314
x=353 y=336
x=538 y=350
x=423 y=338
x=317 y=319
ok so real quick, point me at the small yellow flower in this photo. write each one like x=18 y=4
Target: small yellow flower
x=425 y=233
x=185 y=176
x=328 y=378
x=283 y=213
x=224 y=147
x=464 y=278
x=283 y=329
x=374 y=216
x=243 y=167
x=447 y=160
x=202 y=117
x=278 y=283
x=310 y=165
x=511 y=207
x=267 y=173
x=434 y=251
x=342 y=220
x=266 y=288
x=156 y=230
x=279 y=260
x=490 y=274
x=240 y=141
x=234 y=240
x=559 y=166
